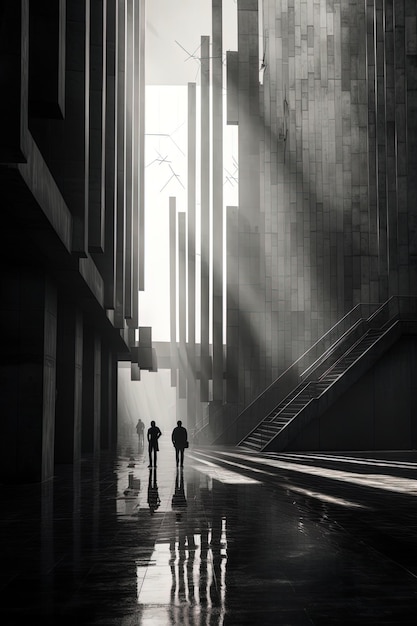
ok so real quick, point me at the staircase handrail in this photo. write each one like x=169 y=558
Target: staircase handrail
x=357 y=326
x=383 y=314
x=309 y=386
x=270 y=397
x=396 y=307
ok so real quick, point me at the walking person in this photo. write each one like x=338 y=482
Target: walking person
x=180 y=440
x=153 y=435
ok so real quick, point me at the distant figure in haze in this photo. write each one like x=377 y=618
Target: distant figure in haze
x=180 y=440
x=153 y=496
x=153 y=435
x=140 y=429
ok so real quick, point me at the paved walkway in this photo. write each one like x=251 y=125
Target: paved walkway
x=236 y=538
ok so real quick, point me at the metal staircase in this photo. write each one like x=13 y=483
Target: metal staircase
x=336 y=369
x=277 y=420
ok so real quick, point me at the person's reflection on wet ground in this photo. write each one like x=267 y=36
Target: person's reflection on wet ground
x=153 y=495
x=179 y=501
x=182 y=554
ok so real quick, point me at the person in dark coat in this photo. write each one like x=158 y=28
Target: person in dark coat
x=180 y=440
x=153 y=435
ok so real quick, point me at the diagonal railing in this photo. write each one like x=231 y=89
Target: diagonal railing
x=396 y=308
x=265 y=402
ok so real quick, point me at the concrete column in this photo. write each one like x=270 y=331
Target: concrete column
x=28 y=371
x=232 y=346
x=205 y=220
x=251 y=297
x=411 y=103
x=69 y=368
x=191 y=228
x=128 y=157
x=108 y=427
x=76 y=160
x=141 y=122
x=232 y=64
x=105 y=397
x=173 y=288
x=49 y=380
x=97 y=393
x=182 y=308
x=119 y=310
x=88 y=391
x=134 y=321
x=47 y=59
x=217 y=256
x=113 y=401
x=91 y=391
x=380 y=107
x=109 y=87
x=11 y=111
x=78 y=384
x=97 y=121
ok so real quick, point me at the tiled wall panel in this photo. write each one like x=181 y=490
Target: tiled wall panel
x=338 y=103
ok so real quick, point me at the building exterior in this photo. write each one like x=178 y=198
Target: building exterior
x=72 y=115
x=333 y=230
x=308 y=318
x=324 y=95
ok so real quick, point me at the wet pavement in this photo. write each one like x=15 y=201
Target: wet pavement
x=234 y=538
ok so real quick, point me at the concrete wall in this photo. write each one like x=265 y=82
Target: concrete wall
x=377 y=413
x=335 y=223
x=69 y=242
x=338 y=106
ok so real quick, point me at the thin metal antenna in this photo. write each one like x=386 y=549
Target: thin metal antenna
x=160 y=159
x=174 y=175
x=191 y=55
x=230 y=178
x=169 y=137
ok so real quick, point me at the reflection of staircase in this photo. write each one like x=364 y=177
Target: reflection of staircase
x=329 y=375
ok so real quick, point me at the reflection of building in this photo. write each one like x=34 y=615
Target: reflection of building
x=323 y=234
x=195 y=549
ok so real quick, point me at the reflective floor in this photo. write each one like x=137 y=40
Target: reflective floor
x=234 y=538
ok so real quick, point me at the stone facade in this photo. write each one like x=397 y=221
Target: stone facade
x=71 y=140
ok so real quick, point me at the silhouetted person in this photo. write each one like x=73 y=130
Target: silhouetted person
x=153 y=435
x=180 y=440
x=140 y=429
x=153 y=495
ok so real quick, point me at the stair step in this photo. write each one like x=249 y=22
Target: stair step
x=297 y=400
x=251 y=447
